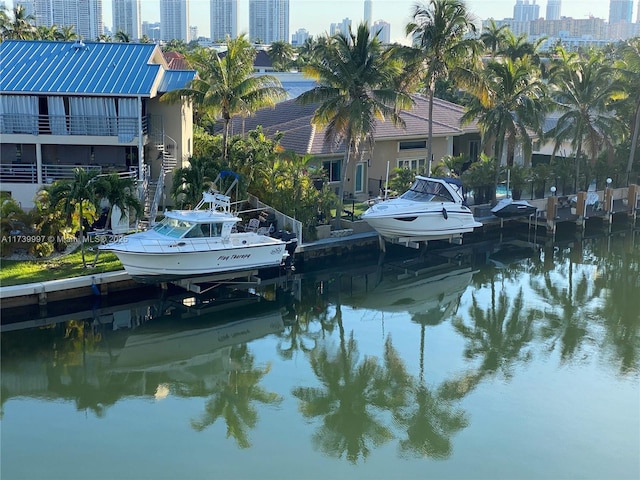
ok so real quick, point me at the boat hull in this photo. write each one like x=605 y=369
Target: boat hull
x=511 y=209
x=164 y=262
x=424 y=224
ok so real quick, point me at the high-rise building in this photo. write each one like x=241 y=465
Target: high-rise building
x=151 y=30
x=340 y=27
x=553 y=10
x=27 y=5
x=269 y=20
x=299 y=37
x=383 y=30
x=620 y=11
x=126 y=18
x=84 y=15
x=223 y=19
x=368 y=11
x=174 y=20
x=523 y=11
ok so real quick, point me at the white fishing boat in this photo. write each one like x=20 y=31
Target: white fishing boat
x=433 y=208
x=202 y=241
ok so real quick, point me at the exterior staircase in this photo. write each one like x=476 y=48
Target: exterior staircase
x=153 y=192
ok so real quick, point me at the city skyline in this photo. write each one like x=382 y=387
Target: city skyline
x=316 y=16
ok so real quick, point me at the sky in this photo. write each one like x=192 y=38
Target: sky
x=317 y=15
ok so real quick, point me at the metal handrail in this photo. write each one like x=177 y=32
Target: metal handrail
x=99 y=125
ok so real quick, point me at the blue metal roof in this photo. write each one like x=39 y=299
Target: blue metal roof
x=39 y=67
x=174 y=79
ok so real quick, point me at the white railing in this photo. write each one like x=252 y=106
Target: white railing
x=283 y=221
x=28 y=173
x=19 y=173
x=51 y=173
x=70 y=125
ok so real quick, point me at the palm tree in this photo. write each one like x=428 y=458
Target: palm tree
x=21 y=27
x=76 y=195
x=67 y=34
x=493 y=36
x=511 y=107
x=440 y=31
x=122 y=37
x=516 y=47
x=189 y=182
x=47 y=33
x=629 y=67
x=281 y=54
x=226 y=85
x=582 y=91
x=355 y=90
x=120 y=192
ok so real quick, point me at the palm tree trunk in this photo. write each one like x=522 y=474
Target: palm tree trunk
x=84 y=262
x=343 y=175
x=225 y=137
x=578 y=155
x=634 y=140
x=498 y=149
x=430 y=137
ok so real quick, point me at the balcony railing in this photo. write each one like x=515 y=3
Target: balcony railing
x=125 y=128
x=28 y=173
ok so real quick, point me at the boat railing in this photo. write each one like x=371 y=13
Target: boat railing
x=215 y=201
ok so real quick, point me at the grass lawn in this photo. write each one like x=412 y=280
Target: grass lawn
x=358 y=208
x=18 y=272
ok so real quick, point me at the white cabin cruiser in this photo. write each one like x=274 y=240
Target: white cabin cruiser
x=202 y=241
x=433 y=208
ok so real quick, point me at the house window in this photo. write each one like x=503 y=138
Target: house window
x=474 y=150
x=412 y=145
x=332 y=167
x=414 y=164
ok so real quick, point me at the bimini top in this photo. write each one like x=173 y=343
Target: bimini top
x=86 y=68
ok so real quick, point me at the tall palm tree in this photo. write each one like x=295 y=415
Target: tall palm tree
x=511 y=107
x=281 y=54
x=122 y=37
x=76 y=195
x=21 y=27
x=355 y=90
x=440 y=30
x=66 y=33
x=47 y=33
x=629 y=67
x=583 y=88
x=226 y=86
x=493 y=36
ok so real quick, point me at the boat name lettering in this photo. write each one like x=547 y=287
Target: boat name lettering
x=234 y=256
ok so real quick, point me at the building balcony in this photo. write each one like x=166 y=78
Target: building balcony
x=124 y=128
x=28 y=173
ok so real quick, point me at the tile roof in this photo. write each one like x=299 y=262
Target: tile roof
x=70 y=67
x=294 y=120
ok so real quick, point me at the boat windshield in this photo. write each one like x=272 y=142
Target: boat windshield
x=427 y=191
x=172 y=227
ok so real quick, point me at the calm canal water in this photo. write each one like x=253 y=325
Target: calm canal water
x=494 y=360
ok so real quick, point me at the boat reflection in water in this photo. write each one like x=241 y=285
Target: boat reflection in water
x=428 y=291
x=178 y=344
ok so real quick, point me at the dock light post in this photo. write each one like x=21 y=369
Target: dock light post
x=553 y=190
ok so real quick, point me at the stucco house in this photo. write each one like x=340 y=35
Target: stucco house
x=93 y=105
x=393 y=146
